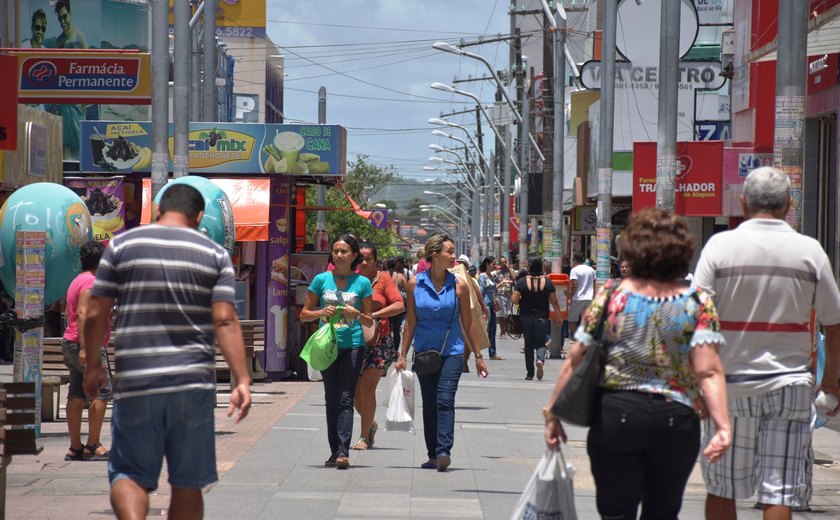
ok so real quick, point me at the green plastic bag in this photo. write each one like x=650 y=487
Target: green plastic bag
x=321 y=349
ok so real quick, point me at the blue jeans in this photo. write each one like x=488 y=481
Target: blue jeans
x=534 y=330
x=438 y=393
x=177 y=425
x=491 y=329
x=339 y=389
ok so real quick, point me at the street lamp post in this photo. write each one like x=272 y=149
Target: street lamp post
x=475 y=229
x=450 y=217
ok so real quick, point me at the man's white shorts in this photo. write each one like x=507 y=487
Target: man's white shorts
x=771 y=438
x=576 y=310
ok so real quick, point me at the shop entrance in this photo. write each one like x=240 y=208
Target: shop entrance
x=820 y=188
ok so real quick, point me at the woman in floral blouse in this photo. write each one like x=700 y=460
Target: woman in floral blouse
x=662 y=374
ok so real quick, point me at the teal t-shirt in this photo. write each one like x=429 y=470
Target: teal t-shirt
x=349 y=334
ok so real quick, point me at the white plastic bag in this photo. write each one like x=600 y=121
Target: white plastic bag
x=400 y=392
x=549 y=493
x=313 y=375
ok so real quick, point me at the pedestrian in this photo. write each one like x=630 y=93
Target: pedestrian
x=342 y=287
x=533 y=294
x=434 y=299
x=624 y=269
x=175 y=288
x=479 y=317
x=395 y=270
x=78 y=297
x=503 y=277
x=661 y=341
x=766 y=279
x=582 y=287
x=387 y=302
x=488 y=292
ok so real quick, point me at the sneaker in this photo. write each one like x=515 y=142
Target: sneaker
x=539 y=370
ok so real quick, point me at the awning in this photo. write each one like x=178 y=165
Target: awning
x=249 y=198
x=823 y=38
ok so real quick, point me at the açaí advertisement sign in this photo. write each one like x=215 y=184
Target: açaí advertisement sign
x=246 y=148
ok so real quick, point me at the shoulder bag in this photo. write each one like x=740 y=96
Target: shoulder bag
x=428 y=362
x=371 y=332
x=576 y=402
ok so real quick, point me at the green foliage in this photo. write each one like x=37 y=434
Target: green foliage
x=362 y=182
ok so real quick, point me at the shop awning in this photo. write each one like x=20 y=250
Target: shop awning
x=249 y=198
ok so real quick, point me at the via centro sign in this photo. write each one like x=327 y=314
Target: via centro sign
x=693 y=75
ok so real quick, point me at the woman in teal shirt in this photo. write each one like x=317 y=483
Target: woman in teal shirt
x=432 y=304
x=341 y=287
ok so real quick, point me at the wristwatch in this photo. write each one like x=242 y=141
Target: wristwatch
x=479 y=356
x=547 y=413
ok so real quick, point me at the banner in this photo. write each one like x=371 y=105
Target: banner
x=699 y=177
x=737 y=164
x=8 y=105
x=230 y=148
x=105 y=200
x=237 y=18
x=378 y=218
x=276 y=330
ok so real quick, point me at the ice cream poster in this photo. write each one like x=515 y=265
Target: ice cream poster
x=105 y=199
x=276 y=344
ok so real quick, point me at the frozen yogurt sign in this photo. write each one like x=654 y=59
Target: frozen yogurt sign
x=85 y=77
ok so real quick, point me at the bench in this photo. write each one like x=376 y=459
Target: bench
x=54 y=376
x=253 y=336
x=17 y=428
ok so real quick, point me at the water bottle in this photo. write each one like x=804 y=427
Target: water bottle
x=824 y=403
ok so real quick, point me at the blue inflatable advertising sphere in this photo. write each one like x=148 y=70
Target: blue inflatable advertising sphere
x=217 y=222
x=49 y=207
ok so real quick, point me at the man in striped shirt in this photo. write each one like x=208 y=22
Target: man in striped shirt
x=766 y=278
x=176 y=297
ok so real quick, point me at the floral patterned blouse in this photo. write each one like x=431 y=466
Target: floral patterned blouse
x=649 y=340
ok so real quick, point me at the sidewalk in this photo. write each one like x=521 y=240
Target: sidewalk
x=271 y=465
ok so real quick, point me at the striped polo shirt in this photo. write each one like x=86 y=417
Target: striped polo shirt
x=164 y=280
x=765 y=279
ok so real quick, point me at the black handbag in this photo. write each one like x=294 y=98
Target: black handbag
x=429 y=362
x=576 y=402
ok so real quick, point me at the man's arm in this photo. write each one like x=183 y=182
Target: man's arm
x=229 y=335
x=91 y=338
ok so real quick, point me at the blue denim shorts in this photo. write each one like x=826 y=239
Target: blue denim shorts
x=176 y=425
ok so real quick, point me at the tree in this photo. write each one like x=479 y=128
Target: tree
x=362 y=182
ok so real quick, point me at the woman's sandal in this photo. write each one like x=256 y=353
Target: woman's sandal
x=372 y=433
x=90 y=452
x=361 y=444
x=77 y=454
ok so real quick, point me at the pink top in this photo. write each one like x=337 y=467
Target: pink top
x=83 y=282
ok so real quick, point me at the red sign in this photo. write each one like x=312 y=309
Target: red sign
x=822 y=72
x=82 y=77
x=8 y=104
x=699 y=177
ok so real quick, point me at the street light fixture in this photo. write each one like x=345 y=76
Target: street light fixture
x=467 y=178
x=427 y=192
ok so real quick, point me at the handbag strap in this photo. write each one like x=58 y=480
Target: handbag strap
x=451 y=319
x=599 y=329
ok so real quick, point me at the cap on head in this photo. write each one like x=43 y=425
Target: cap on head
x=464 y=259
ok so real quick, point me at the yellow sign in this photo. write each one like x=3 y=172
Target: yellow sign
x=211 y=147
x=85 y=77
x=116 y=130
x=234 y=13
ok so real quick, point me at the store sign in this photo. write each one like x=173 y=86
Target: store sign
x=699 y=177
x=236 y=18
x=737 y=164
x=230 y=148
x=279 y=250
x=8 y=105
x=85 y=77
x=105 y=199
x=822 y=72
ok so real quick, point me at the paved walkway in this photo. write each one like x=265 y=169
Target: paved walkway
x=271 y=466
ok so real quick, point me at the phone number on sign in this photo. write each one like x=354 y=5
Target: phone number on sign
x=241 y=32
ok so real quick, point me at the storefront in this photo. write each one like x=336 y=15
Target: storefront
x=262 y=169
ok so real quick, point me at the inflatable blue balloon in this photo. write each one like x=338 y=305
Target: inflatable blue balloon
x=59 y=212
x=217 y=222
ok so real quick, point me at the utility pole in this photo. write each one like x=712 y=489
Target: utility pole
x=669 y=84
x=209 y=103
x=195 y=73
x=504 y=224
x=790 y=100
x=485 y=169
x=181 y=92
x=523 y=103
x=548 y=130
x=559 y=145
x=160 y=95
x=603 y=233
x=321 y=219
x=475 y=219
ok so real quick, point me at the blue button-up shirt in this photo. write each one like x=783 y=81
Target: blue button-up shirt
x=434 y=311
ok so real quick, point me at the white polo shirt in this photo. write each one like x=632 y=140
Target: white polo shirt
x=765 y=279
x=585 y=277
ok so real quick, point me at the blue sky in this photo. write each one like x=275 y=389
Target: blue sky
x=391 y=40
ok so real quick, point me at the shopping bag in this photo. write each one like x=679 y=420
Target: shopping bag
x=401 y=390
x=321 y=349
x=549 y=493
x=313 y=375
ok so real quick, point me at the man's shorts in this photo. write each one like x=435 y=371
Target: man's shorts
x=70 y=351
x=771 y=439
x=175 y=425
x=576 y=310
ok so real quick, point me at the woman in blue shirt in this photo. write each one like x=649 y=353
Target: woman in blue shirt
x=353 y=292
x=432 y=299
